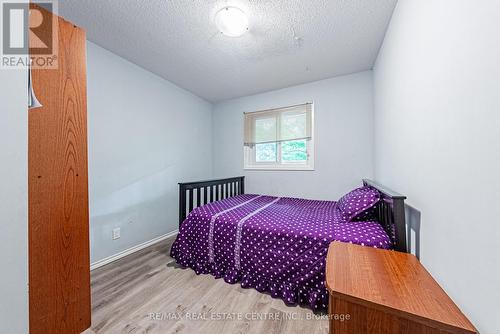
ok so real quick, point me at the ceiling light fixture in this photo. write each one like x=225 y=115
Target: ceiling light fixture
x=231 y=21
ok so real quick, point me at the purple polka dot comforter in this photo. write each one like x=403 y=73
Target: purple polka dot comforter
x=275 y=245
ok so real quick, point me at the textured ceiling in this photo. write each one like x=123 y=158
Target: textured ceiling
x=289 y=42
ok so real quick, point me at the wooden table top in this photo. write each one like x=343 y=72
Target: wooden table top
x=392 y=281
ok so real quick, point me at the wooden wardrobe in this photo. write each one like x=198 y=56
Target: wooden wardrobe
x=59 y=261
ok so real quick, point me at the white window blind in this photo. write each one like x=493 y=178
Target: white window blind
x=278 y=125
x=280 y=138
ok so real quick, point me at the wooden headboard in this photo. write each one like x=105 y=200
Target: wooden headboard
x=390 y=210
x=391 y=215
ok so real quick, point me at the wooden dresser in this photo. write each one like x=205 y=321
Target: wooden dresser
x=379 y=291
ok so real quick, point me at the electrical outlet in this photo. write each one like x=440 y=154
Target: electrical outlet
x=116 y=233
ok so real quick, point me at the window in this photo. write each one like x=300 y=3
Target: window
x=280 y=138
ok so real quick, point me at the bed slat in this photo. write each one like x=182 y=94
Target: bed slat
x=391 y=215
x=213 y=190
x=190 y=200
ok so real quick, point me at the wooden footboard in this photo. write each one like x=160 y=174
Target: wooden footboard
x=195 y=194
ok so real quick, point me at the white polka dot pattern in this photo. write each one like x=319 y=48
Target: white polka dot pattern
x=282 y=248
x=239 y=228
x=356 y=204
x=212 y=226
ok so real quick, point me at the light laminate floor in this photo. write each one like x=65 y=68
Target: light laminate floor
x=146 y=292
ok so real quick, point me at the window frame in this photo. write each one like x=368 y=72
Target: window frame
x=249 y=154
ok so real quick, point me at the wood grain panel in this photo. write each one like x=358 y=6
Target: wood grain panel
x=368 y=320
x=382 y=289
x=59 y=261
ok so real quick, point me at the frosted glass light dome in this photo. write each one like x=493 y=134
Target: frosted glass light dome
x=231 y=21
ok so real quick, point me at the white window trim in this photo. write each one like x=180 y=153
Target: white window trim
x=250 y=164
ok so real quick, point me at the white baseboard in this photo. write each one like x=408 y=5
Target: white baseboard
x=131 y=250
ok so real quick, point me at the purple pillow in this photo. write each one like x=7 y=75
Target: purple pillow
x=355 y=204
x=367 y=215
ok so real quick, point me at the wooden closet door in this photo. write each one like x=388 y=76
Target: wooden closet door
x=59 y=260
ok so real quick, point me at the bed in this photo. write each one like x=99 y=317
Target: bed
x=278 y=245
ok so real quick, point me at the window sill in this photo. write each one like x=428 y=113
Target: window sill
x=280 y=168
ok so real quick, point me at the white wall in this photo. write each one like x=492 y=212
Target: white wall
x=437 y=121
x=145 y=136
x=343 y=137
x=13 y=201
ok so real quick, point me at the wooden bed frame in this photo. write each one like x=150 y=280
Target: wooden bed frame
x=391 y=215
x=204 y=192
x=390 y=210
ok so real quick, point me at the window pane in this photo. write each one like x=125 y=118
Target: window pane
x=294 y=151
x=266 y=152
x=293 y=126
x=265 y=130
